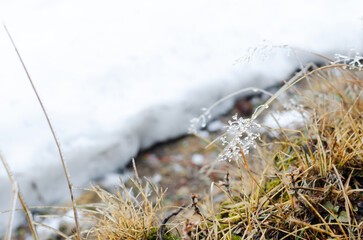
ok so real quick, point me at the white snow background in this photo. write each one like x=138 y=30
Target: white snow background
x=119 y=76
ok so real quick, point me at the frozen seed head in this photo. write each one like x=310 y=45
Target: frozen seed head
x=241 y=134
x=263 y=49
x=352 y=61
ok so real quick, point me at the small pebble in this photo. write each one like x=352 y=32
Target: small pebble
x=152 y=158
x=156 y=178
x=184 y=191
x=244 y=107
x=178 y=168
x=198 y=159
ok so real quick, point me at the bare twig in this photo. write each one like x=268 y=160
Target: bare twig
x=161 y=230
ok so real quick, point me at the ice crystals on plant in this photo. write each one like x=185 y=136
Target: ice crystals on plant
x=353 y=61
x=200 y=122
x=240 y=135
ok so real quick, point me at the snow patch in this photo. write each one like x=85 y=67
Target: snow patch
x=291 y=119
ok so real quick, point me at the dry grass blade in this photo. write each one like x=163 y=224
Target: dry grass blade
x=54 y=136
x=14 y=194
x=130 y=213
x=26 y=210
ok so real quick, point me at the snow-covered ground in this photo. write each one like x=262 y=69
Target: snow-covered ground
x=118 y=76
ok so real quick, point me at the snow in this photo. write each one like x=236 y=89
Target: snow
x=54 y=222
x=112 y=179
x=291 y=119
x=119 y=76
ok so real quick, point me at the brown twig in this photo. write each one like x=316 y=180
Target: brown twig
x=161 y=230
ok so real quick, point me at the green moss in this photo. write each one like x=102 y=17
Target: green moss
x=224 y=226
x=269 y=185
x=225 y=212
x=272 y=184
x=285 y=197
x=152 y=234
x=234 y=237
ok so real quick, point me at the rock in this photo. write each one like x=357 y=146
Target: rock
x=244 y=107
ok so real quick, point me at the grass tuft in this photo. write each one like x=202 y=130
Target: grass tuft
x=127 y=216
x=311 y=187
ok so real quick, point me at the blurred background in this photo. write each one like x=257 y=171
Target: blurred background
x=117 y=77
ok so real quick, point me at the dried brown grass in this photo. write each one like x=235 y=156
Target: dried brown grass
x=313 y=189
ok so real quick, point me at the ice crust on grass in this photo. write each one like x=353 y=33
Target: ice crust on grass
x=353 y=61
x=119 y=76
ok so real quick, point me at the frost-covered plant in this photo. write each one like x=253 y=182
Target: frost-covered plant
x=241 y=133
x=240 y=136
x=200 y=122
x=353 y=61
x=262 y=50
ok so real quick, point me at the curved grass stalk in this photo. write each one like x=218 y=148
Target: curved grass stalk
x=14 y=193
x=54 y=136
